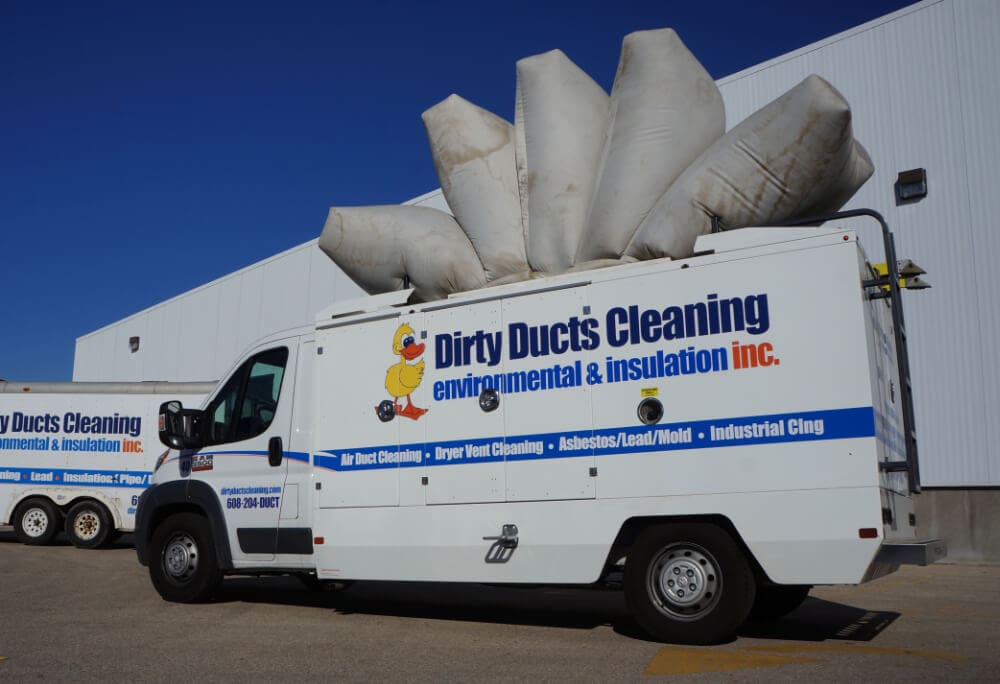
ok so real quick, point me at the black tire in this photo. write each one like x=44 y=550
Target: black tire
x=88 y=525
x=36 y=522
x=718 y=589
x=774 y=600
x=183 y=565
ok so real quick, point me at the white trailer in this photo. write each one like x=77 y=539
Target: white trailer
x=76 y=455
x=723 y=432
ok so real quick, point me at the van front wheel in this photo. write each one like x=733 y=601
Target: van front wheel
x=184 y=568
x=688 y=583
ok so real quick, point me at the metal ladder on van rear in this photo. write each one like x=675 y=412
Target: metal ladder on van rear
x=887 y=287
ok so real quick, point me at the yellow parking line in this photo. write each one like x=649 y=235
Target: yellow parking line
x=857 y=648
x=673 y=660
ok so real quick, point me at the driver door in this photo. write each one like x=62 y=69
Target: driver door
x=248 y=430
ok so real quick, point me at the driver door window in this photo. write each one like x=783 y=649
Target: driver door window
x=246 y=405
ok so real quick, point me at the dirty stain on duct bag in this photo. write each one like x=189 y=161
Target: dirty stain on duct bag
x=560 y=119
x=378 y=246
x=796 y=157
x=665 y=111
x=473 y=154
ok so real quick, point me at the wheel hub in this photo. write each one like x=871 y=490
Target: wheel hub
x=35 y=522
x=180 y=557
x=684 y=581
x=86 y=525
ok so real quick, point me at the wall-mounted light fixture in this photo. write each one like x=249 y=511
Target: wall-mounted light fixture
x=911 y=185
x=133 y=343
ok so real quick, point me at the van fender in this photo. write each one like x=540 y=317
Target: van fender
x=180 y=496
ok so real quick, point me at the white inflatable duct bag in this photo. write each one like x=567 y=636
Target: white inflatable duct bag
x=795 y=157
x=379 y=246
x=665 y=111
x=561 y=116
x=473 y=153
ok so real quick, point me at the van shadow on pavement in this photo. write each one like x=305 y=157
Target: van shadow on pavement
x=567 y=607
x=561 y=607
x=820 y=620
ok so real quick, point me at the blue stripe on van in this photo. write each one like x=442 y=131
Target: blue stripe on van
x=69 y=478
x=804 y=426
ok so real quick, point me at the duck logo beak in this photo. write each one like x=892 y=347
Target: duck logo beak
x=412 y=351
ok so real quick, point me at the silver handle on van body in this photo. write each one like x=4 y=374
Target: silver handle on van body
x=503 y=546
x=507 y=538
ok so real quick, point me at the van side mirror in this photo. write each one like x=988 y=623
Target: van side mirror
x=180 y=428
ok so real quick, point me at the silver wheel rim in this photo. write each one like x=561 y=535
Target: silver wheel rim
x=180 y=557
x=684 y=582
x=35 y=522
x=86 y=525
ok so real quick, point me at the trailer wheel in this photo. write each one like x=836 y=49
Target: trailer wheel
x=688 y=583
x=88 y=525
x=36 y=522
x=184 y=568
x=775 y=601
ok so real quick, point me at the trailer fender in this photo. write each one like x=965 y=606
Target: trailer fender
x=113 y=504
x=63 y=498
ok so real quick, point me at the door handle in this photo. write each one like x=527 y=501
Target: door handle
x=503 y=546
x=275 y=451
x=507 y=538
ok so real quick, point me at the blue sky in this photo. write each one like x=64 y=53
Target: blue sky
x=147 y=148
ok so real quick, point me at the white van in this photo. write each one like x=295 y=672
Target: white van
x=726 y=430
x=76 y=455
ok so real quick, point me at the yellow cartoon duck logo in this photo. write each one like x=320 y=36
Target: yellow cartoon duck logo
x=403 y=377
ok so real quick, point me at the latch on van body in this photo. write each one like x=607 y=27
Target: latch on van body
x=503 y=546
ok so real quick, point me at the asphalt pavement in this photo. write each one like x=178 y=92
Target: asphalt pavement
x=75 y=615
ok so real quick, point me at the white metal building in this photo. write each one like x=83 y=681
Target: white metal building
x=281 y=292
x=924 y=87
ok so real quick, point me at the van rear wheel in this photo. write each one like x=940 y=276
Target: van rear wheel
x=88 y=525
x=36 y=522
x=184 y=568
x=688 y=583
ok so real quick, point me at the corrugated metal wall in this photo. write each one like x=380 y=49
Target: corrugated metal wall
x=198 y=335
x=924 y=85
x=924 y=88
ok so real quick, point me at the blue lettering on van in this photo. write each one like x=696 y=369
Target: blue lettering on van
x=714 y=316
x=623 y=325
